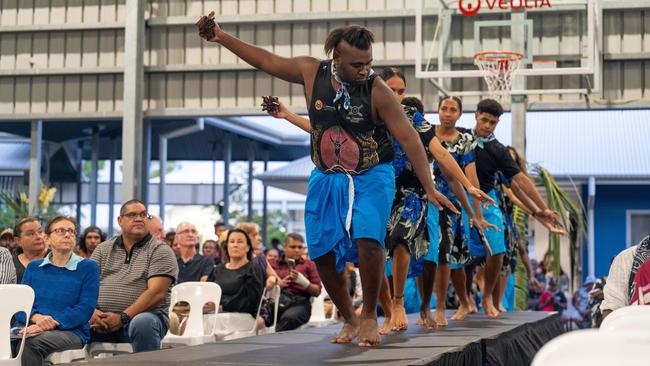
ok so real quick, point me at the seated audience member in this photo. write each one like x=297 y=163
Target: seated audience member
x=272 y=255
x=596 y=296
x=7 y=240
x=7 y=269
x=241 y=281
x=252 y=230
x=89 y=240
x=136 y=274
x=276 y=244
x=212 y=250
x=192 y=266
x=299 y=282
x=552 y=299
x=219 y=228
x=629 y=272
x=580 y=302
x=169 y=238
x=31 y=245
x=175 y=246
x=156 y=228
x=66 y=287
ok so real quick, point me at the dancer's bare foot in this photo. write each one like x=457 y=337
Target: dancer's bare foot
x=368 y=332
x=399 y=319
x=426 y=320
x=489 y=308
x=439 y=317
x=461 y=313
x=502 y=309
x=347 y=333
x=472 y=307
x=386 y=327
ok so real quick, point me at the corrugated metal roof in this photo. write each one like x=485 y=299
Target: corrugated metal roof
x=613 y=144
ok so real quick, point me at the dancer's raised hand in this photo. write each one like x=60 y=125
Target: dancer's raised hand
x=208 y=28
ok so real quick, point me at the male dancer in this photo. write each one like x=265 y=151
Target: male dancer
x=492 y=157
x=350 y=194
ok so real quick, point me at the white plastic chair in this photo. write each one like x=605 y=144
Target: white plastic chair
x=589 y=347
x=15 y=298
x=229 y=326
x=196 y=294
x=103 y=349
x=629 y=318
x=318 y=318
x=58 y=358
x=275 y=295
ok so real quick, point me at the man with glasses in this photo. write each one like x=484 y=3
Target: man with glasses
x=136 y=274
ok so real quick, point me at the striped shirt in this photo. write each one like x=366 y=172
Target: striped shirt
x=7 y=269
x=123 y=276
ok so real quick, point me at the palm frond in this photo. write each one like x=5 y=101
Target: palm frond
x=573 y=218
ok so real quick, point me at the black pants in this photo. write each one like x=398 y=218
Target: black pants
x=295 y=315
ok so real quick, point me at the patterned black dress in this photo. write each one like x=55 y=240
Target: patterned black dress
x=453 y=246
x=510 y=233
x=407 y=224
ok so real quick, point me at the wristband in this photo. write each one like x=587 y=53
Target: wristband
x=302 y=281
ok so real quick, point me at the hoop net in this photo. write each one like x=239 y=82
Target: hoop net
x=498 y=68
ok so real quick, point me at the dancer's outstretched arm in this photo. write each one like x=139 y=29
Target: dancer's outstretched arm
x=459 y=191
x=527 y=186
x=298 y=121
x=450 y=167
x=480 y=222
x=388 y=110
x=521 y=199
x=293 y=69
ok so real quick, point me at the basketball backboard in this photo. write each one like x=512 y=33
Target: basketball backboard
x=556 y=37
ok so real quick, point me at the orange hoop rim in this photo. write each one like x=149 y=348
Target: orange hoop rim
x=498 y=56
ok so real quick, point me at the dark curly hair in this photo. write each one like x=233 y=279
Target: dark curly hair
x=355 y=35
x=490 y=106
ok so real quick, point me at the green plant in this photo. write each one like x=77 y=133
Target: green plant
x=17 y=207
x=521 y=279
x=572 y=217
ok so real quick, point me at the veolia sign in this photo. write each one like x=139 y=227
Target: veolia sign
x=471 y=7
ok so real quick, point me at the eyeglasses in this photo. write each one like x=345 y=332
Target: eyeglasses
x=132 y=215
x=188 y=231
x=61 y=231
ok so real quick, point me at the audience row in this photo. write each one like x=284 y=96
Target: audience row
x=118 y=289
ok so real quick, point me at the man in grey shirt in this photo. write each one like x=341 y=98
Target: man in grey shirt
x=7 y=270
x=136 y=272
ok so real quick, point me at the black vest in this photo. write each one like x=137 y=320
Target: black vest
x=345 y=140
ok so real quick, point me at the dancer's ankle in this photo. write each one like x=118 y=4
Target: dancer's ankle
x=398 y=300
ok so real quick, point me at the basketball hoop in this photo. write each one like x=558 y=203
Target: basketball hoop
x=498 y=67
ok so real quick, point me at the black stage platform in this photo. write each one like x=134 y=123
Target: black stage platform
x=512 y=340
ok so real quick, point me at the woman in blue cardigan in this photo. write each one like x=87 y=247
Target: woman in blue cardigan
x=66 y=288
